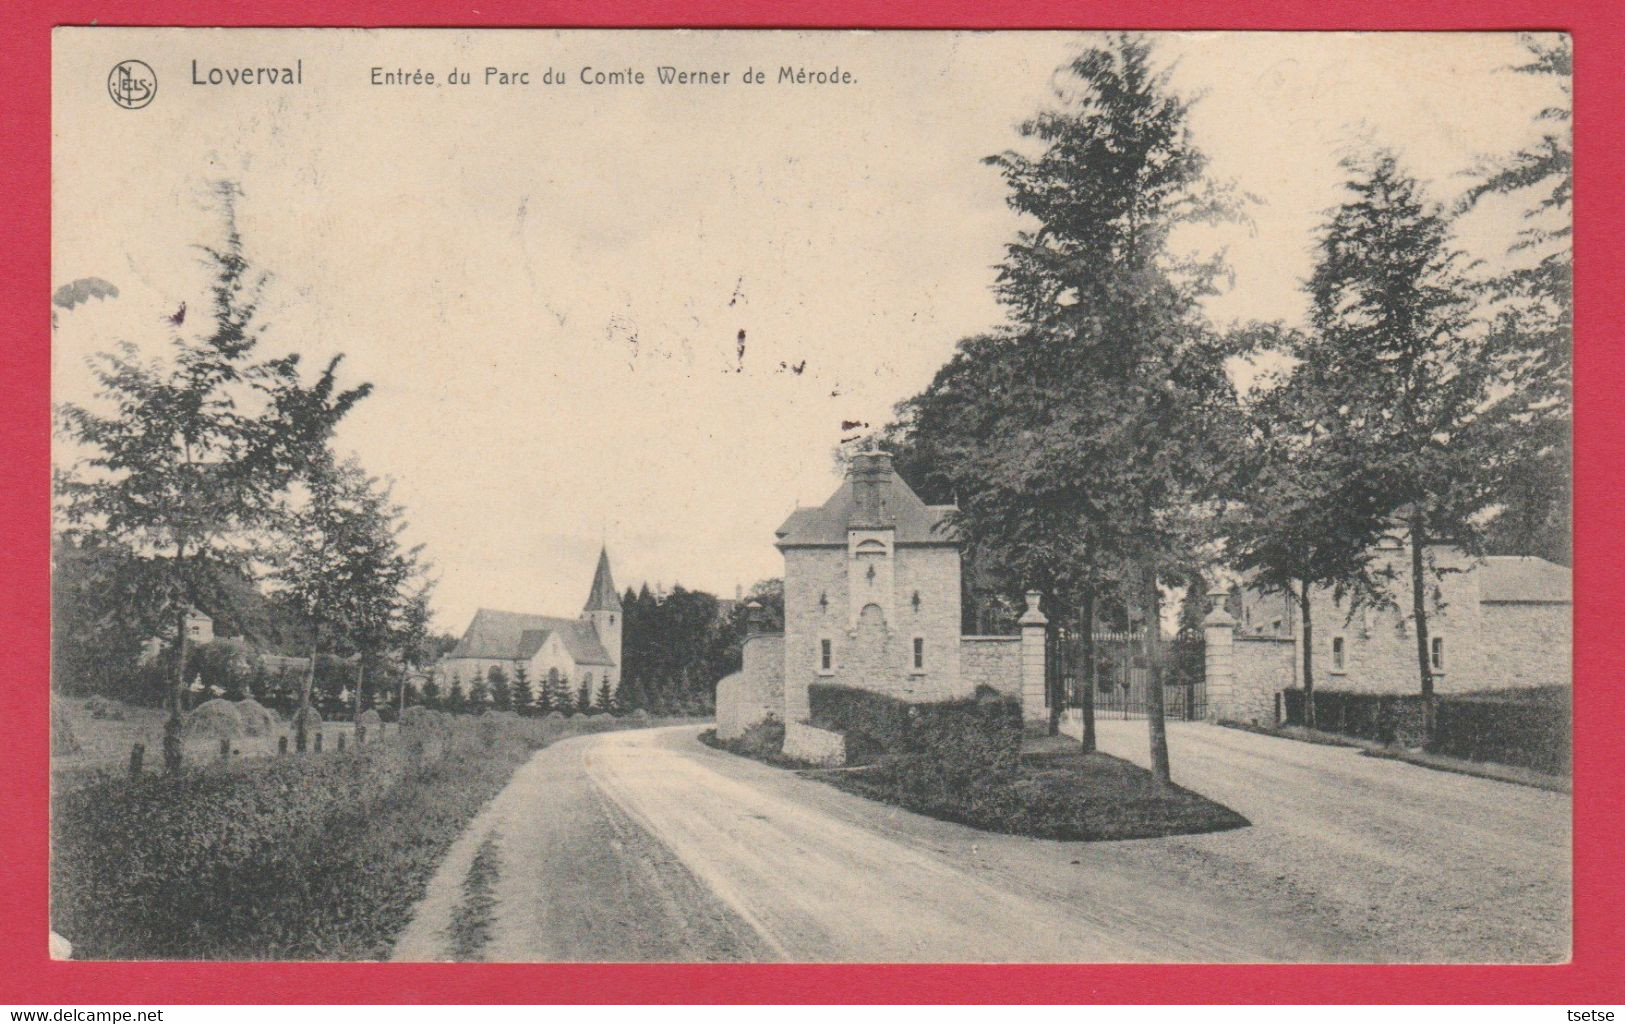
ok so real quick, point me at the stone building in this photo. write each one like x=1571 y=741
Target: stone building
x=1495 y=623
x=199 y=631
x=585 y=651
x=872 y=601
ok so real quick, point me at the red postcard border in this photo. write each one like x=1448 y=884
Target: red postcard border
x=1597 y=971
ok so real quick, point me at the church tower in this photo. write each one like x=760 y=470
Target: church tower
x=603 y=610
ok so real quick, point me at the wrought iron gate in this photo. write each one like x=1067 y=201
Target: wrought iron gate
x=1123 y=674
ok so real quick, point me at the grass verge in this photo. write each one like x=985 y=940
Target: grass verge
x=763 y=741
x=313 y=857
x=471 y=921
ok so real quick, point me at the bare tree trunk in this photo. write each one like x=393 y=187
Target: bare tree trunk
x=360 y=681
x=1057 y=699
x=1308 y=656
x=1086 y=647
x=177 y=697
x=1155 y=722
x=1419 y=611
x=300 y=718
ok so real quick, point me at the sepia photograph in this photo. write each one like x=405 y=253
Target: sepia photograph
x=725 y=496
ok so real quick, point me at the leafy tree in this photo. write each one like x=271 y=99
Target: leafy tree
x=521 y=697
x=1086 y=442
x=1535 y=319
x=389 y=610
x=413 y=636
x=675 y=648
x=340 y=563
x=101 y=617
x=1412 y=380
x=1302 y=520
x=189 y=463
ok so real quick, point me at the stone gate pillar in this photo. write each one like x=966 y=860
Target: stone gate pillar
x=1034 y=688
x=1219 y=637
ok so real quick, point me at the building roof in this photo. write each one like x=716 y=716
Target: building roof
x=602 y=597
x=1524 y=579
x=914 y=521
x=517 y=636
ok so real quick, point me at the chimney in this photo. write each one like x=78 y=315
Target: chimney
x=871 y=475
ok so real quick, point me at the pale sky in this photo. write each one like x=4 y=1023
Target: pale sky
x=546 y=284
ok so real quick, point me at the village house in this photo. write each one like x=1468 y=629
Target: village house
x=199 y=631
x=872 y=601
x=585 y=651
x=1495 y=623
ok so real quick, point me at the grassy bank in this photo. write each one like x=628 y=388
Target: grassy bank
x=314 y=857
x=1051 y=794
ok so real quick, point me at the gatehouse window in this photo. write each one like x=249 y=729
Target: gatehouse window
x=1436 y=653
x=826 y=656
x=919 y=654
x=1339 y=655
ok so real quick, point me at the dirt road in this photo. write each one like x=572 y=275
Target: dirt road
x=650 y=846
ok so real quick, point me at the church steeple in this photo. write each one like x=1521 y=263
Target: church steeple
x=603 y=597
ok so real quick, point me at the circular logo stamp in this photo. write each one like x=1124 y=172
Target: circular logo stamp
x=132 y=84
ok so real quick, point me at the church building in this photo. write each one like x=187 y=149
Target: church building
x=585 y=651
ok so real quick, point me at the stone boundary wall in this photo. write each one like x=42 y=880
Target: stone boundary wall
x=1262 y=666
x=756 y=691
x=993 y=661
x=813 y=745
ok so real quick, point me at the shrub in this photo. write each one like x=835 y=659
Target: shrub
x=419 y=718
x=1529 y=729
x=765 y=739
x=140 y=867
x=1384 y=717
x=946 y=743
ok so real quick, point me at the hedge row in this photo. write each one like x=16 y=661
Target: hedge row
x=1527 y=728
x=1530 y=731
x=1384 y=717
x=943 y=742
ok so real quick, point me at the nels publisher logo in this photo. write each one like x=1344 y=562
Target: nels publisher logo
x=132 y=84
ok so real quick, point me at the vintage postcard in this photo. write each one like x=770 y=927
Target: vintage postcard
x=811 y=496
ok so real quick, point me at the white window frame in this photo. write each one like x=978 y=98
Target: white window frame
x=1438 y=652
x=825 y=660
x=1339 y=655
x=916 y=657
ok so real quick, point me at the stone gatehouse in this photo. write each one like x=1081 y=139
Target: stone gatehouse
x=872 y=601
